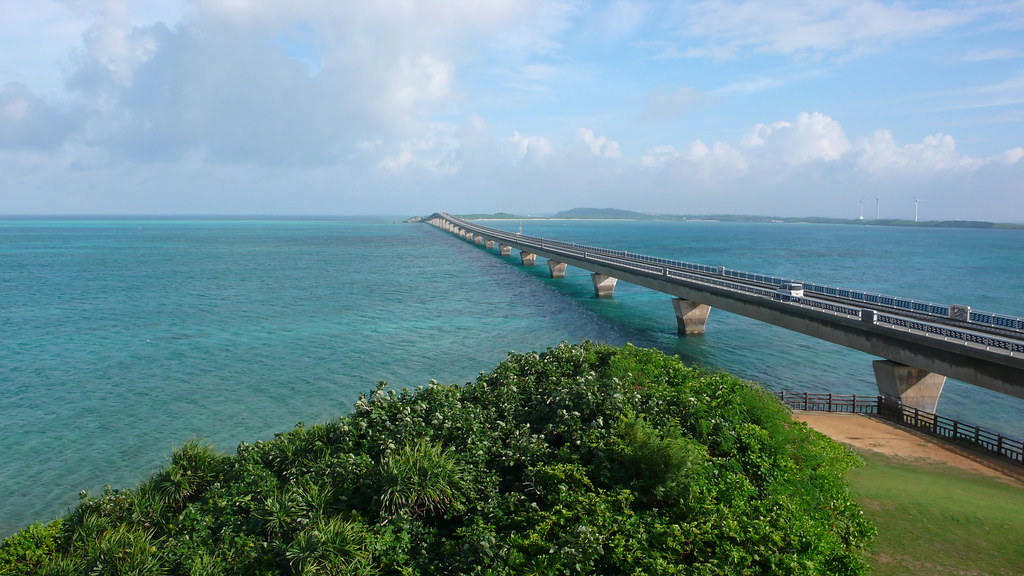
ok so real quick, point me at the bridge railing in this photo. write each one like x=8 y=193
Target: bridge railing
x=917 y=306
x=932 y=424
x=997 y=320
x=939 y=311
x=954 y=333
x=640 y=264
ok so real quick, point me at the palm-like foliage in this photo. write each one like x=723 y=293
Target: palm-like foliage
x=419 y=478
x=193 y=467
x=283 y=513
x=331 y=546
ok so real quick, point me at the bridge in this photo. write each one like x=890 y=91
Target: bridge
x=920 y=343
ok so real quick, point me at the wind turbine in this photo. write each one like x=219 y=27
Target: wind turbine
x=878 y=212
x=861 y=210
x=916 y=202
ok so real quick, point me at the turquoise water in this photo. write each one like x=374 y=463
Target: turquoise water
x=124 y=338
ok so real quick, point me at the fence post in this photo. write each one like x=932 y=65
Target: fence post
x=830 y=402
x=956 y=429
x=999 y=445
x=806 y=394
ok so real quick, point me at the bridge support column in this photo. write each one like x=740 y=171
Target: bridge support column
x=479 y=239
x=527 y=258
x=911 y=386
x=505 y=249
x=604 y=286
x=462 y=233
x=557 y=268
x=691 y=317
x=489 y=244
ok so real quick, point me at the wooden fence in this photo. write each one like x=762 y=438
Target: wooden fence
x=932 y=424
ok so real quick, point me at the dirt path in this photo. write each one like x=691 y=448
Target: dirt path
x=869 y=434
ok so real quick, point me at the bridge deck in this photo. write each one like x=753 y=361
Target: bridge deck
x=980 y=348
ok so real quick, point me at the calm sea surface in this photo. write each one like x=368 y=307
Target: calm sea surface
x=121 y=339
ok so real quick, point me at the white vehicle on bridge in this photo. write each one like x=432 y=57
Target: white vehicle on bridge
x=792 y=289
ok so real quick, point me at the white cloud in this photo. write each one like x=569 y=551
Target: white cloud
x=659 y=156
x=537 y=29
x=936 y=153
x=815 y=146
x=717 y=162
x=994 y=54
x=421 y=78
x=704 y=164
x=297 y=83
x=429 y=100
x=1004 y=93
x=599 y=145
x=621 y=18
x=29 y=121
x=796 y=27
x=1012 y=156
x=530 y=148
x=812 y=137
x=113 y=41
x=434 y=151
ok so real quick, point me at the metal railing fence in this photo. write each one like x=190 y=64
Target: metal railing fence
x=932 y=424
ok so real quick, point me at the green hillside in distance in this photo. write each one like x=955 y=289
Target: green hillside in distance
x=619 y=214
x=604 y=214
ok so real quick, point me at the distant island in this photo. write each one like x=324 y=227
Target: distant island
x=618 y=214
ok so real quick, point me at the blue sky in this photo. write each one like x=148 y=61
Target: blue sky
x=781 y=107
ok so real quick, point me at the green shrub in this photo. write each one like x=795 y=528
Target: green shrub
x=22 y=553
x=579 y=459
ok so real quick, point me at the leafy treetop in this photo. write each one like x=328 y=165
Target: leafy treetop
x=583 y=459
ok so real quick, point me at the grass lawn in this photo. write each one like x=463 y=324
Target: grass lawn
x=937 y=520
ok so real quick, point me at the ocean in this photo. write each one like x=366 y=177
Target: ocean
x=124 y=338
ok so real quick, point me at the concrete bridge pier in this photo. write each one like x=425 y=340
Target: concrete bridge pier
x=504 y=249
x=604 y=286
x=489 y=244
x=479 y=239
x=462 y=232
x=911 y=386
x=557 y=268
x=528 y=258
x=691 y=317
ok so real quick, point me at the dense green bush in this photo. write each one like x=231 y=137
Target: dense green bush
x=583 y=459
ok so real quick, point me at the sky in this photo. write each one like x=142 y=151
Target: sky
x=836 y=108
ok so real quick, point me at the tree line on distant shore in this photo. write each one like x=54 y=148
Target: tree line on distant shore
x=617 y=214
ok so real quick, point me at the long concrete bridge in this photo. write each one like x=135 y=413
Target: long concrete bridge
x=919 y=343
